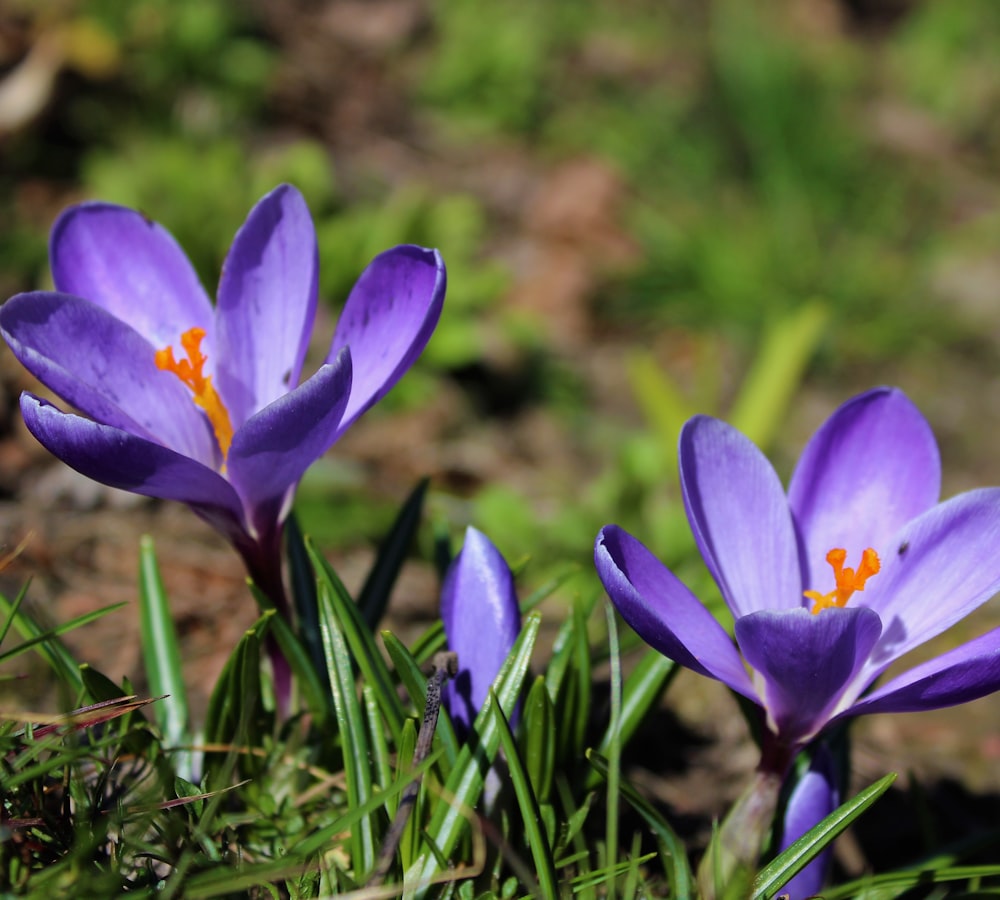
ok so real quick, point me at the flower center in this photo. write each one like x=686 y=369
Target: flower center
x=191 y=372
x=848 y=580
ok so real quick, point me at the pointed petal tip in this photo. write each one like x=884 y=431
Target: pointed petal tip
x=388 y=319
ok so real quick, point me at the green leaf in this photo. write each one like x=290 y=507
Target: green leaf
x=46 y=640
x=377 y=741
x=675 y=862
x=360 y=639
x=572 y=700
x=160 y=651
x=661 y=403
x=410 y=840
x=642 y=691
x=788 y=864
x=777 y=372
x=538 y=739
x=307 y=679
x=429 y=643
x=465 y=783
x=614 y=745
x=538 y=843
x=232 y=705
x=374 y=596
x=351 y=725
x=99 y=687
x=303 y=584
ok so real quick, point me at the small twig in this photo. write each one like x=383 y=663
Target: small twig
x=445 y=666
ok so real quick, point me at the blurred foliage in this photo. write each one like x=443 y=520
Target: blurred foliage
x=759 y=181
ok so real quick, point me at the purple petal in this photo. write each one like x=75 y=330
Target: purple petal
x=106 y=369
x=948 y=567
x=272 y=450
x=664 y=613
x=963 y=674
x=813 y=798
x=266 y=304
x=133 y=268
x=870 y=468
x=122 y=460
x=806 y=661
x=481 y=621
x=740 y=518
x=387 y=321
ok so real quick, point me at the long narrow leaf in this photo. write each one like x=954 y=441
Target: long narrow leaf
x=678 y=870
x=237 y=690
x=465 y=784
x=161 y=653
x=643 y=689
x=614 y=746
x=47 y=641
x=534 y=834
x=777 y=371
x=303 y=583
x=360 y=639
x=786 y=866
x=374 y=596
x=351 y=724
x=309 y=681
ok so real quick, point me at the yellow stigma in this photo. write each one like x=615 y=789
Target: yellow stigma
x=191 y=372
x=848 y=581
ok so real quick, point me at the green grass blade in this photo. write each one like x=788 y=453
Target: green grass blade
x=351 y=724
x=360 y=639
x=303 y=583
x=377 y=741
x=642 y=691
x=465 y=783
x=46 y=640
x=614 y=746
x=374 y=596
x=429 y=643
x=538 y=739
x=12 y=614
x=161 y=653
x=676 y=865
x=237 y=692
x=313 y=684
x=534 y=834
x=409 y=844
x=787 y=865
x=777 y=371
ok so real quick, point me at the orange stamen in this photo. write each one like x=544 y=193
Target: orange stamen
x=191 y=372
x=847 y=579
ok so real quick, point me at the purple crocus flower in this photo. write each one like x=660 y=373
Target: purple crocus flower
x=481 y=622
x=866 y=488
x=200 y=403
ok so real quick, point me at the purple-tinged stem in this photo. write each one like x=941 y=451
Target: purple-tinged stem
x=263 y=562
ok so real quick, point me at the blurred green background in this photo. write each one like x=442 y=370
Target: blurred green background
x=647 y=209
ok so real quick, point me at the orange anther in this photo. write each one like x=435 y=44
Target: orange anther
x=191 y=372
x=847 y=579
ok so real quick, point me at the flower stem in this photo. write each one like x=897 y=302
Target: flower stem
x=264 y=565
x=733 y=854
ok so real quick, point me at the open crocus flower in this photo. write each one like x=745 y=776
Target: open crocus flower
x=200 y=403
x=481 y=622
x=829 y=584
